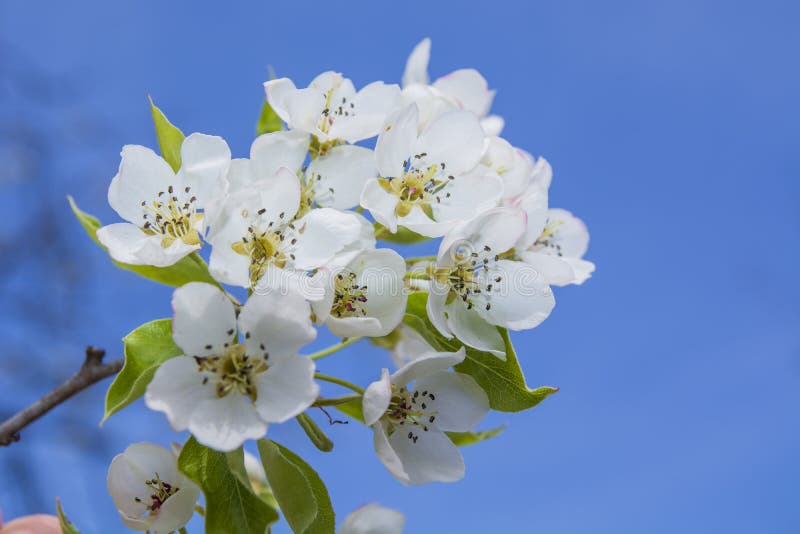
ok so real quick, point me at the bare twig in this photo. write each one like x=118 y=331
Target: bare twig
x=93 y=370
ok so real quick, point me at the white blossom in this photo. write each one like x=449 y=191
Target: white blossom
x=430 y=181
x=149 y=491
x=366 y=297
x=411 y=410
x=331 y=109
x=462 y=89
x=477 y=285
x=373 y=518
x=225 y=391
x=163 y=209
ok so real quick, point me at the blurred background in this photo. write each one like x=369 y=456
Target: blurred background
x=673 y=129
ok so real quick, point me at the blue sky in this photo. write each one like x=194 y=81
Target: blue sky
x=673 y=130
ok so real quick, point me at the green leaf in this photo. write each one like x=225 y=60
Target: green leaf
x=503 y=381
x=315 y=433
x=403 y=236
x=299 y=490
x=192 y=268
x=170 y=138
x=462 y=439
x=269 y=121
x=66 y=525
x=231 y=505
x=146 y=348
x=353 y=408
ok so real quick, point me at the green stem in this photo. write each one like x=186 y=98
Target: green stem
x=418 y=259
x=417 y=276
x=334 y=348
x=339 y=381
x=336 y=401
x=200 y=510
x=182 y=530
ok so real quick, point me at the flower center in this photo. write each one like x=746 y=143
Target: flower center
x=547 y=241
x=161 y=492
x=469 y=278
x=172 y=215
x=420 y=185
x=232 y=371
x=263 y=248
x=335 y=108
x=409 y=410
x=349 y=298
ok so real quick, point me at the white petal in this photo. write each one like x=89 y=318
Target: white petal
x=497 y=228
x=417 y=221
x=280 y=323
x=289 y=280
x=493 y=125
x=339 y=177
x=396 y=141
x=410 y=346
x=271 y=151
x=471 y=193
x=240 y=175
x=432 y=458
x=305 y=107
x=178 y=509
x=522 y=301
x=376 y=398
x=472 y=330
x=372 y=105
x=277 y=92
x=469 y=89
x=558 y=270
x=430 y=102
x=460 y=403
x=203 y=320
x=427 y=364
x=534 y=203
x=542 y=173
x=437 y=296
x=570 y=233
x=455 y=138
x=373 y=519
x=417 y=64
x=321 y=234
x=387 y=454
x=381 y=204
x=129 y=471
x=204 y=165
x=226 y=265
x=176 y=390
x=141 y=176
x=286 y=389
x=127 y=243
x=225 y=423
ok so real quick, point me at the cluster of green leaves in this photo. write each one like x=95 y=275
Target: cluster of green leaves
x=233 y=502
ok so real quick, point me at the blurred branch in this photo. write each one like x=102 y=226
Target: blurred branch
x=93 y=370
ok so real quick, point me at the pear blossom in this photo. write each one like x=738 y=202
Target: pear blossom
x=373 y=518
x=430 y=181
x=408 y=345
x=462 y=89
x=163 y=209
x=258 y=242
x=515 y=167
x=411 y=410
x=366 y=297
x=149 y=491
x=225 y=391
x=557 y=251
x=333 y=180
x=477 y=285
x=331 y=109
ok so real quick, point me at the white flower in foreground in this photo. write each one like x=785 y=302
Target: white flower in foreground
x=331 y=109
x=373 y=518
x=409 y=345
x=225 y=392
x=409 y=421
x=557 y=251
x=463 y=89
x=516 y=167
x=259 y=243
x=332 y=180
x=149 y=491
x=430 y=181
x=163 y=208
x=365 y=298
x=475 y=285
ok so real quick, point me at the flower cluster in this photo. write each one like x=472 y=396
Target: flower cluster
x=297 y=225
